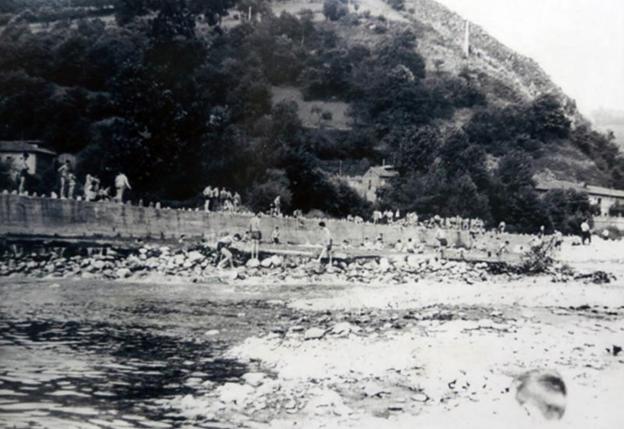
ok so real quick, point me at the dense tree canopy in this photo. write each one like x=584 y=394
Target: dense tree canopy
x=174 y=100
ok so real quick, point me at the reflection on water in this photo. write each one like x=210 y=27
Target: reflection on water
x=57 y=373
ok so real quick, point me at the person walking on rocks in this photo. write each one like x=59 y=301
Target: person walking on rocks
x=121 y=184
x=63 y=172
x=440 y=236
x=223 y=250
x=327 y=243
x=255 y=235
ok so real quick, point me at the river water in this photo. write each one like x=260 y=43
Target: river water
x=96 y=354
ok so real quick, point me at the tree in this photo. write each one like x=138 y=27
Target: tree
x=549 y=119
x=6 y=179
x=262 y=194
x=334 y=9
x=415 y=147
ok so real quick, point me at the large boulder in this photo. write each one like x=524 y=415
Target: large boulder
x=277 y=261
x=254 y=379
x=384 y=265
x=314 y=334
x=195 y=256
x=123 y=273
x=253 y=263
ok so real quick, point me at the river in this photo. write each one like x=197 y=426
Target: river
x=109 y=354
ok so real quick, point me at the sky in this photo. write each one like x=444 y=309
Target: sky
x=579 y=43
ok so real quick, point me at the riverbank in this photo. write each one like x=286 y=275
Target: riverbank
x=392 y=346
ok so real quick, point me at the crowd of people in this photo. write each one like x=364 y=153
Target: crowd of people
x=92 y=189
x=394 y=217
x=222 y=199
x=216 y=199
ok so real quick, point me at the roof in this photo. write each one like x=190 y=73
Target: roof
x=550 y=184
x=382 y=171
x=29 y=146
x=607 y=192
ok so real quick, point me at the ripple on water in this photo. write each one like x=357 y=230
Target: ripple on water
x=63 y=374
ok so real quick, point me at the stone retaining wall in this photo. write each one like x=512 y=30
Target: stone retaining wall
x=36 y=216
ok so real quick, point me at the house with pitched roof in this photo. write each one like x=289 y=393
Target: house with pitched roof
x=607 y=201
x=39 y=158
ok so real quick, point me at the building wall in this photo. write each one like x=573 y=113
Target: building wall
x=605 y=203
x=74 y=219
x=602 y=222
x=15 y=160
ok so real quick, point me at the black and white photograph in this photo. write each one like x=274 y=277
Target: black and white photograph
x=305 y=214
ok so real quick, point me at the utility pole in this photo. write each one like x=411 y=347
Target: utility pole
x=467 y=40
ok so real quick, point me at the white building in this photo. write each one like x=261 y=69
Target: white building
x=370 y=182
x=38 y=159
x=604 y=199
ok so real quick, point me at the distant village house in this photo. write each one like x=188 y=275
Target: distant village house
x=370 y=182
x=608 y=202
x=38 y=160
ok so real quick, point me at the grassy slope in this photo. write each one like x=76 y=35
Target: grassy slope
x=505 y=76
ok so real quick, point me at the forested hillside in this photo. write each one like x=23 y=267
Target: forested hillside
x=179 y=94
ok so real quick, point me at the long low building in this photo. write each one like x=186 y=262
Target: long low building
x=608 y=201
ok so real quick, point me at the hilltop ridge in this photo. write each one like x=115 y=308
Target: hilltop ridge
x=180 y=94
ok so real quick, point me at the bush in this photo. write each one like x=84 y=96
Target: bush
x=6 y=179
x=261 y=195
x=334 y=9
x=397 y=4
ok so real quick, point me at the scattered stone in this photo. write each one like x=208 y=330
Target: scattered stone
x=254 y=379
x=420 y=397
x=252 y=263
x=314 y=334
x=123 y=273
x=372 y=389
x=234 y=392
x=344 y=328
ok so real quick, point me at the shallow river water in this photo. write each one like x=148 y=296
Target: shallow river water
x=104 y=354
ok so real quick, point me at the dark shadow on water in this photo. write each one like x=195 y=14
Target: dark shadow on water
x=129 y=366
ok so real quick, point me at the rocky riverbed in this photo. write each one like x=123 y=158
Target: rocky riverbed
x=198 y=264
x=83 y=347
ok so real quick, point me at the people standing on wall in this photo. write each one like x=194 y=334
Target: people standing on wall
x=207 y=197
x=23 y=173
x=71 y=184
x=277 y=202
x=87 y=191
x=121 y=184
x=63 y=172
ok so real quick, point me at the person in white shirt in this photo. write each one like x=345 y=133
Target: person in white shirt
x=327 y=244
x=256 y=236
x=585 y=232
x=63 y=172
x=207 y=196
x=121 y=184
